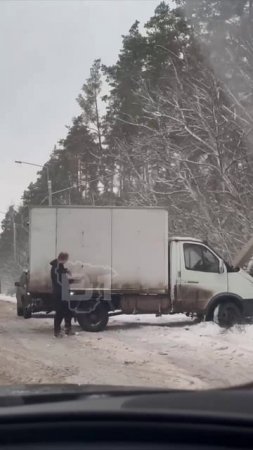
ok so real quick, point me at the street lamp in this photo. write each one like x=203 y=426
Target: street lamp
x=49 y=182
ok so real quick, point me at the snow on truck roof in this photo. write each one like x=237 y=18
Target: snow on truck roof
x=139 y=208
x=185 y=238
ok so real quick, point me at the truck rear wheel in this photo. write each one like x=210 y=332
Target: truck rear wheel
x=227 y=314
x=94 y=321
x=27 y=313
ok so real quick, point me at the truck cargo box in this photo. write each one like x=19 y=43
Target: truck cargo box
x=119 y=249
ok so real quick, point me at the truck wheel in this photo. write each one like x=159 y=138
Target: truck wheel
x=227 y=314
x=94 y=321
x=27 y=313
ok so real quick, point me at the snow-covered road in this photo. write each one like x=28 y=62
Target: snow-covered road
x=171 y=351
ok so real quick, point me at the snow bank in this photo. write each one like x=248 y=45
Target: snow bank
x=7 y=298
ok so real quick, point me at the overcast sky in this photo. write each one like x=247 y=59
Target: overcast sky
x=46 y=50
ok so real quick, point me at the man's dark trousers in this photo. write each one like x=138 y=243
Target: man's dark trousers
x=61 y=312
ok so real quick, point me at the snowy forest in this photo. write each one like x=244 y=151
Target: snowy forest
x=170 y=124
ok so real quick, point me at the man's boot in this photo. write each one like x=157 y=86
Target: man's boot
x=57 y=332
x=69 y=331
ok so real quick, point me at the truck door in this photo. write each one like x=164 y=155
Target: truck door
x=199 y=277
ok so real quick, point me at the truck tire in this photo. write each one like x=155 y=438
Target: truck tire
x=94 y=321
x=27 y=313
x=227 y=314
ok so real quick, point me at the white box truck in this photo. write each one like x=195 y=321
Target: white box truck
x=125 y=263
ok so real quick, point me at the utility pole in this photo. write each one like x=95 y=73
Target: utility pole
x=49 y=188
x=59 y=192
x=14 y=240
x=49 y=181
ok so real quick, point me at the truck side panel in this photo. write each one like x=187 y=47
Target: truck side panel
x=125 y=250
x=140 y=250
x=86 y=235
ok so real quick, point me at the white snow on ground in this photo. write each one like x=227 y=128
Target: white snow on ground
x=141 y=350
x=217 y=356
x=7 y=298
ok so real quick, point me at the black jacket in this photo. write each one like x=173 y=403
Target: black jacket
x=57 y=269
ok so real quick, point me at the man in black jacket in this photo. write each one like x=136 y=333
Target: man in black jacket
x=61 y=307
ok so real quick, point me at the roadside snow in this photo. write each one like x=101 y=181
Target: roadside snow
x=140 y=350
x=217 y=356
x=7 y=298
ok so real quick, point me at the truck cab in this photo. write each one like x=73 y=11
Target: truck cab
x=202 y=282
